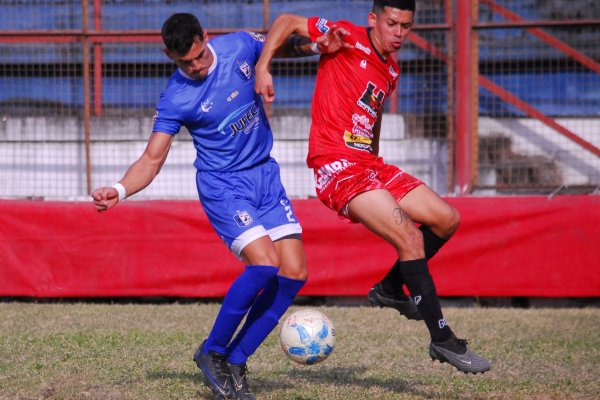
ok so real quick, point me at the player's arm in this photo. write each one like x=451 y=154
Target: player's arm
x=376 y=133
x=289 y=37
x=139 y=175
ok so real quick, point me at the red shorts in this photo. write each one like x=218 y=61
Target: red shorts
x=338 y=181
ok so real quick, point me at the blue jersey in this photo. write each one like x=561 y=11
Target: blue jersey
x=224 y=115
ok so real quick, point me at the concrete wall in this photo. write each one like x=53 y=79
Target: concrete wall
x=45 y=156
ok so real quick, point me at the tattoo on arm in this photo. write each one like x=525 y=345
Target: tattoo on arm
x=399 y=216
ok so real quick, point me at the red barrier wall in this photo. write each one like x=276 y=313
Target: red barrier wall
x=505 y=246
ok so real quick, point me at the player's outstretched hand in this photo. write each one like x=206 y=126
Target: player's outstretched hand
x=105 y=198
x=263 y=84
x=333 y=40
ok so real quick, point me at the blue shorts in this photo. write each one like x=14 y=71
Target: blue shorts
x=243 y=206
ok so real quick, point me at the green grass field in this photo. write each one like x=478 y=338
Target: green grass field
x=144 y=351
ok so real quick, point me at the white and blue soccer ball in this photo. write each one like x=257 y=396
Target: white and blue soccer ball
x=307 y=337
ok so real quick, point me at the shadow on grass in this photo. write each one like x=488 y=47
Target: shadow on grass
x=347 y=376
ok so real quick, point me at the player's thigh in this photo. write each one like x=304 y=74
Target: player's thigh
x=425 y=206
x=292 y=256
x=379 y=212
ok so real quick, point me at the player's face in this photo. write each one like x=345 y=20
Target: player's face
x=196 y=61
x=390 y=29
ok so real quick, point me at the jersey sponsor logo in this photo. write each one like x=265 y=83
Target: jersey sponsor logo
x=233 y=95
x=393 y=73
x=321 y=25
x=362 y=120
x=243 y=218
x=371 y=99
x=284 y=201
x=244 y=70
x=243 y=120
x=259 y=37
x=325 y=174
x=358 y=142
x=363 y=48
x=206 y=105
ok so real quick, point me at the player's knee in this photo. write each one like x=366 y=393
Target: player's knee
x=296 y=270
x=447 y=223
x=409 y=245
x=452 y=221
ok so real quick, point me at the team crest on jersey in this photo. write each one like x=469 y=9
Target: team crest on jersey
x=259 y=37
x=243 y=218
x=393 y=73
x=371 y=99
x=322 y=26
x=244 y=70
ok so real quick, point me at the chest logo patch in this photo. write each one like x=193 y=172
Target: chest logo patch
x=244 y=70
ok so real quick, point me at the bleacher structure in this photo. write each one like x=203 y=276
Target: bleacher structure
x=495 y=96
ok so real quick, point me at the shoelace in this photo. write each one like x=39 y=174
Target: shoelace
x=221 y=370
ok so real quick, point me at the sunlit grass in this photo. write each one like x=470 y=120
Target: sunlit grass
x=144 y=351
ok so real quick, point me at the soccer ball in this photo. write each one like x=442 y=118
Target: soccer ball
x=307 y=337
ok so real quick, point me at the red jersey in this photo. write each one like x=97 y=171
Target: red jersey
x=352 y=85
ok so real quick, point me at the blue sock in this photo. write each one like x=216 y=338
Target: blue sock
x=263 y=317
x=239 y=298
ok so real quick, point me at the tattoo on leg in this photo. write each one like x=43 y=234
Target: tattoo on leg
x=399 y=215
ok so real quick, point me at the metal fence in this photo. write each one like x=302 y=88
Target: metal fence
x=495 y=96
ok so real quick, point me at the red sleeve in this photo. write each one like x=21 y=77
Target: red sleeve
x=318 y=27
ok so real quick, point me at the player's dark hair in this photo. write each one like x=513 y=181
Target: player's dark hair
x=407 y=5
x=179 y=31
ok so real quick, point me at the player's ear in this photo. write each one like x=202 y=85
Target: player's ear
x=205 y=36
x=372 y=19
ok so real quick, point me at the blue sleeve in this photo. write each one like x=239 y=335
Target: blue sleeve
x=166 y=119
x=255 y=41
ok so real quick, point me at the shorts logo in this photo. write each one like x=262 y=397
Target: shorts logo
x=322 y=25
x=325 y=174
x=242 y=218
x=371 y=99
x=417 y=300
x=259 y=37
x=442 y=323
x=244 y=70
x=288 y=209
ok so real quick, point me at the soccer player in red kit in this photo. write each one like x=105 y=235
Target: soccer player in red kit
x=351 y=179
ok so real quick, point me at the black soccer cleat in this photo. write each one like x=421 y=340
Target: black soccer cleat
x=239 y=382
x=216 y=373
x=404 y=304
x=455 y=352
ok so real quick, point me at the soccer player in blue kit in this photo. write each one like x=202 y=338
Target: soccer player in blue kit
x=212 y=95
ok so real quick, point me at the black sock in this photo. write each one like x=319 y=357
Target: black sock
x=431 y=242
x=392 y=283
x=422 y=289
